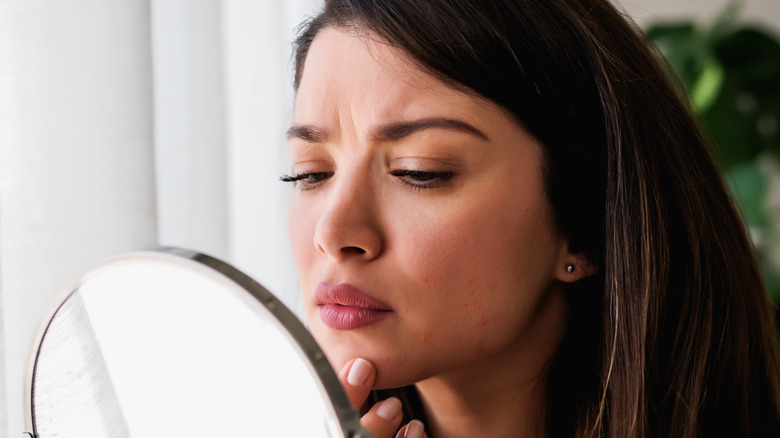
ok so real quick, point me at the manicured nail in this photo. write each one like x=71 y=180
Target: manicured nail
x=359 y=372
x=414 y=429
x=389 y=409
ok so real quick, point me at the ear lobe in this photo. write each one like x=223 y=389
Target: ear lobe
x=576 y=267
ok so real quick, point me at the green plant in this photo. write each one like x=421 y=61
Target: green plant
x=731 y=73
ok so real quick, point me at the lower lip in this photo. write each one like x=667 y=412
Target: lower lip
x=340 y=317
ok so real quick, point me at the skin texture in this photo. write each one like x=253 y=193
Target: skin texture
x=466 y=253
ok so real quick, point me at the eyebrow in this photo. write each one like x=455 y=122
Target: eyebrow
x=307 y=133
x=390 y=132
x=397 y=131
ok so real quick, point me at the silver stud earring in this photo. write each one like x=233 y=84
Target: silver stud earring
x=569 y=268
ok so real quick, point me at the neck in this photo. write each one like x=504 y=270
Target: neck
x=470 y=409
x=500 y=395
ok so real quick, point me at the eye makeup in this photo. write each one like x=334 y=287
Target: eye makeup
x=306 y=181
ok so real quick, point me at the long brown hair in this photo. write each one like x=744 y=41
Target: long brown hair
x=675 y=335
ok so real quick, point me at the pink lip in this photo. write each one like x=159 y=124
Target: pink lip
x=344 y=307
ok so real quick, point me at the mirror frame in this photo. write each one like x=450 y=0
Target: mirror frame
x=347 y=417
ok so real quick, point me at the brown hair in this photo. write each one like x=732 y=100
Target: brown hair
x=675 y=335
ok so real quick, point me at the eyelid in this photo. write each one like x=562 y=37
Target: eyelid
x=423 y=179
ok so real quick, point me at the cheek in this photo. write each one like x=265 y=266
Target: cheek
x=488 y=266
x=301 y=223
x=474 y=250
x=446 y=261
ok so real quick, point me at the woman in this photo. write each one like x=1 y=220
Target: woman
x=503 y=210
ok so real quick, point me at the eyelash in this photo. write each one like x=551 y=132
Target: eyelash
x=419 y=179
x=306 y=181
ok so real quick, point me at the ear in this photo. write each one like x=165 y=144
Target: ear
x=575 y=267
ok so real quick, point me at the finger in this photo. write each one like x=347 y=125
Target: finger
x=384 y=418
x=414 y=429
x=357 y=378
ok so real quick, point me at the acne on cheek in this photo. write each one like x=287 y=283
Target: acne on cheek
x=473 y=307
x=477 y=317
x=424 y=337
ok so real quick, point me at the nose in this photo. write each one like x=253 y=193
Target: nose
x=348 y=227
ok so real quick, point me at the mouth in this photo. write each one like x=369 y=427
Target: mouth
x=344 y=307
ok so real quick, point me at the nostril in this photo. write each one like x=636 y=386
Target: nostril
x=353 y=249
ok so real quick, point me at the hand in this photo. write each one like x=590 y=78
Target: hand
x=357 y=377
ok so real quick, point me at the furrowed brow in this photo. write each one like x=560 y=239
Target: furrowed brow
x=397 y=131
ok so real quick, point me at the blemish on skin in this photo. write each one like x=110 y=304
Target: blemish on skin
x=424 y=337
x=472 y=302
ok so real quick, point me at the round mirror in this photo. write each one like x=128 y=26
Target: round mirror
x=173 y=343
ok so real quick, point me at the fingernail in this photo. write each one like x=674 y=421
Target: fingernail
x=414 y=429
x=389 y=409
x=359 y=372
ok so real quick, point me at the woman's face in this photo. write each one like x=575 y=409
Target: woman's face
x=421 y=232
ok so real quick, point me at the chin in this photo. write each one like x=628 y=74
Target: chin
x=392 y=370
x=339 y=353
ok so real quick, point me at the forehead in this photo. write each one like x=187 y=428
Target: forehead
x=375 y=79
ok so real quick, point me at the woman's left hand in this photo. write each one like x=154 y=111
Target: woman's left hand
x=357 y=377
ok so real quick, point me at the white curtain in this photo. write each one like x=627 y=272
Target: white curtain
x=126 y=124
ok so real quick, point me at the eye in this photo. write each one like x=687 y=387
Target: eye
x=422 y=179
x=307 y=181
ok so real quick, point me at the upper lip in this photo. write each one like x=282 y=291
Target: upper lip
x=347 y=295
